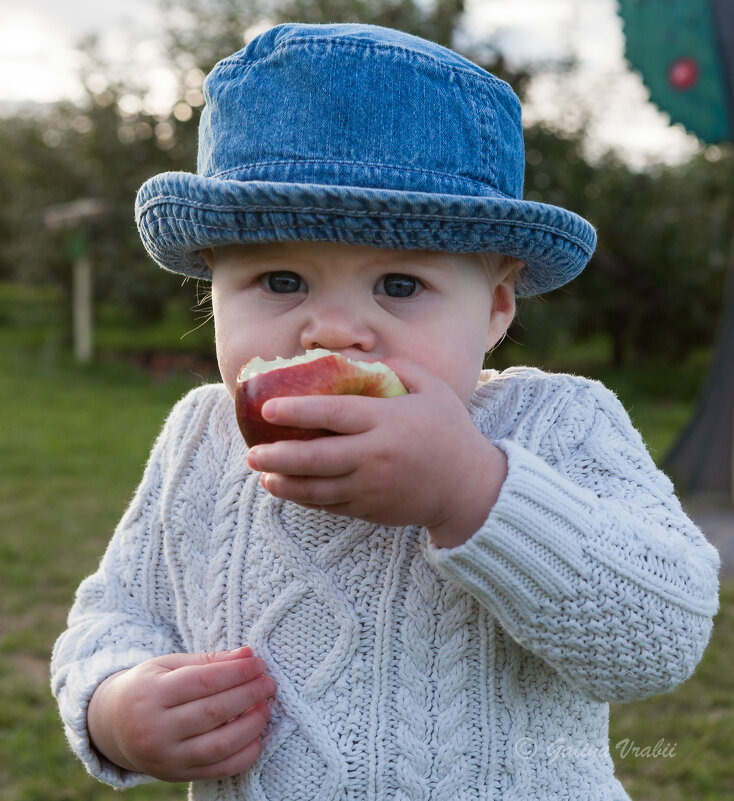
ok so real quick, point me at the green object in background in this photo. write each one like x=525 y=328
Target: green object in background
x=76 y=245
x=684 y=50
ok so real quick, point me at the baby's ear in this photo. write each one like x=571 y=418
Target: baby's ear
x=503 y=308
x=208 y=255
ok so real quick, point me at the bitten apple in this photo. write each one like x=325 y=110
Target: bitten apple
x=317 y=372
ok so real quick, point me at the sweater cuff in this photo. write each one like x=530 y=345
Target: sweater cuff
x=529 y=552
x=80 y=684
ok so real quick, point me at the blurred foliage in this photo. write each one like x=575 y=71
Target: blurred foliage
x=665 y=234
x=655 y=285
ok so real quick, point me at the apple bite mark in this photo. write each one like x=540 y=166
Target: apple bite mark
x=317 y=372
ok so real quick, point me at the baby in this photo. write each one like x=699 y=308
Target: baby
x=427 y=605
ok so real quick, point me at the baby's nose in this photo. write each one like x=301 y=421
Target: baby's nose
x=337 y=328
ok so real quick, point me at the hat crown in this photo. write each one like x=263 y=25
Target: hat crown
x=364 y=135
x=360 y=105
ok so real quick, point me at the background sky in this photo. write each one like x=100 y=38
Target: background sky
x=38 y=61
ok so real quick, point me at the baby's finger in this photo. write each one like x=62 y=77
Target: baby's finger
x=228 y=750
x=324 y=456
x=311 y=492
x=207 y=714
x=344 y=414
x=193 y=682
x=179 y=660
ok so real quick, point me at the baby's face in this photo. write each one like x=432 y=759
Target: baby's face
x=281 y=299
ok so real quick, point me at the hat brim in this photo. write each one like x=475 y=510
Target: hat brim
x=179 y=214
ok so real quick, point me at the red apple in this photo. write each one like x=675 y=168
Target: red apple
x=317 y=372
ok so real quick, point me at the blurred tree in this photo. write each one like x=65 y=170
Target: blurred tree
x=655 y=281
x=124 y=142
x=36 y=171
x=661 y=258
x=104 y=147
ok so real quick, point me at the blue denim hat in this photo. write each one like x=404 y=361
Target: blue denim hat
x=365 y=135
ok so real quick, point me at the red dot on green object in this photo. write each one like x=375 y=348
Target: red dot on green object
x=683 y=74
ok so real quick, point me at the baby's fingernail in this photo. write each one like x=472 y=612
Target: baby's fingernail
x=241 y=652
x=252 y=458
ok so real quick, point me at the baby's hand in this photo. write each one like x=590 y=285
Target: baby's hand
x=183 y=716
x=417 y=459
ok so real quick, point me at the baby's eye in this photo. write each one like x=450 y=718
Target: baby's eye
x=283 y=281
x=397 y=285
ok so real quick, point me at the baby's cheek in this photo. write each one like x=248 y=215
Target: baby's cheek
x=463 y=376
x=229 y=368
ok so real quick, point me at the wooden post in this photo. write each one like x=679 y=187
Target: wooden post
x=82 y=308
x=72 y=216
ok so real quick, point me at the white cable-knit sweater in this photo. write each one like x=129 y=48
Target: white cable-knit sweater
x=404 y=671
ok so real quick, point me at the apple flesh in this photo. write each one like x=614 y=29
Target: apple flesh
x=318 y=372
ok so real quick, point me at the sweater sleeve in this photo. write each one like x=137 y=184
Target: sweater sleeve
x=588 y=560
x=124 y=613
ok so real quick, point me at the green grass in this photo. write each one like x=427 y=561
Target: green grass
x=72 y=446
x=695 y=721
